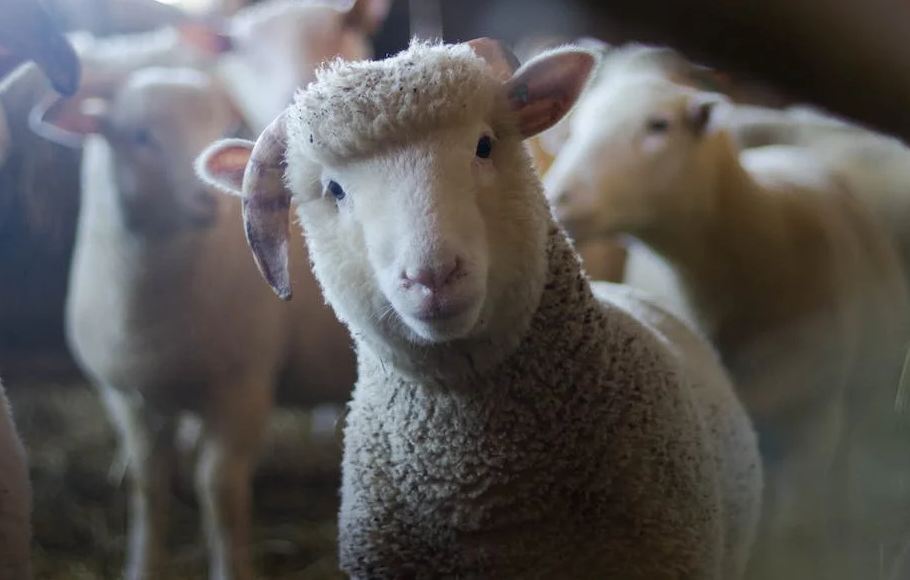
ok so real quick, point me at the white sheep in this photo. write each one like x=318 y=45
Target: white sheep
x=787 y=273
x=506 y=423
x=278 y=44
x=166 y=314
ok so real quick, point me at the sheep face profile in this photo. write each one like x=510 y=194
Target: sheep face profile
x=619 y=170
x=154 y=126
x=403 y=197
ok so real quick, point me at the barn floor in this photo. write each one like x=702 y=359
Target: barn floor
x=79 y=507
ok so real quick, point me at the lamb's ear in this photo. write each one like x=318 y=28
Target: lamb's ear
x=223 y=163
x=500 y=58
x=68 y=121
x=700 y=110
x=368 y=15
x=267 y=205
x=546 y=88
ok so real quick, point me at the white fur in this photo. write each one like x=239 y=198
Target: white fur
x=526 y=429
x=787 y=273
x=15 y=500
x=278 y=45
x=166 y=314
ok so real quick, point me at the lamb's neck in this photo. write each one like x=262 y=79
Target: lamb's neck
x=560 y=328
x=730 y=255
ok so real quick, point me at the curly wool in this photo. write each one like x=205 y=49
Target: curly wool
x=353 y=109
x=586 y=454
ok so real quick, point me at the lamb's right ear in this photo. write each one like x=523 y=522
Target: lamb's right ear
x=546 y=88
x=223 y=162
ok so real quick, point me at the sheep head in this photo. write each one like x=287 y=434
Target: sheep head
x=649 y=159
x=422 y=212
x=156 y=122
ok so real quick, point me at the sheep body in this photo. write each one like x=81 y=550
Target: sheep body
x=581 y=456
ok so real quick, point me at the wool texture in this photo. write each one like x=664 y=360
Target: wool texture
x=584 y=454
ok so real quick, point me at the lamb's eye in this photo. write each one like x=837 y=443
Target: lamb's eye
x=657 y=125
x=336 y=190
x=143 y=137
x=484 y=147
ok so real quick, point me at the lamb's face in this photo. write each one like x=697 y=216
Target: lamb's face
x=414 y=225
x=157 y=124
x=634 y=147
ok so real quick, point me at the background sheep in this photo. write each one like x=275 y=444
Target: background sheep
x=786 y=271
x=166 y=314
x=278 y=44
x=468 y=449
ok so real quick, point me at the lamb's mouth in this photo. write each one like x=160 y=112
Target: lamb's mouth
x=437 y=310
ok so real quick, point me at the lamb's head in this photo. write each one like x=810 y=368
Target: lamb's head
x=423 y=217
x=157 y=122
x=650 y=157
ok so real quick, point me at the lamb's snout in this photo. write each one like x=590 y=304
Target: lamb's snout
x=431 y=279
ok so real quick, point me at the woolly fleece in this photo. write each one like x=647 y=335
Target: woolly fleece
x=355 y=108
x=588 y=453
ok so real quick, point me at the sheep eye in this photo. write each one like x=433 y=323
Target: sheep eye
x=657 y=125
x=336 y=190
x=484 y=147
x=143 y=138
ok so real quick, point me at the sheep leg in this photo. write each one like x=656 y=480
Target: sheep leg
x=233 y=430
x=148 y=440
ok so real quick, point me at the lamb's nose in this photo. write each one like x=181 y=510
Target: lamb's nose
x=433 y=278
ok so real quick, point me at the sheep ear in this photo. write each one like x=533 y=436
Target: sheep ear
x=546 y=88
x=209 y=39
x=500 y=58
x=223 y=163
x=368 y=15
x=700 y=110
x=68 y=121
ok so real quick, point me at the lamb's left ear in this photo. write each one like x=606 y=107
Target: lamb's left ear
x=223 y=163
x=545 y=89
x=701 y=109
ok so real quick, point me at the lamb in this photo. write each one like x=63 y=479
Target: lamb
x=788 y=274
x=506 y=423
x=166 y=315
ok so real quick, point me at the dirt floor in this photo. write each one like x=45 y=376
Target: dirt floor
x=79 y=504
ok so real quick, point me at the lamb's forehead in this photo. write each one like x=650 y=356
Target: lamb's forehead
x=356 y=108
x=160 y=93
x=633 y=96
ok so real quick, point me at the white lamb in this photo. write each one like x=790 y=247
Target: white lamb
x=788 y=274
x=506 y=423
x=166 y=314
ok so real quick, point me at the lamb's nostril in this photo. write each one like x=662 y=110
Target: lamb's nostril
x=434 y=278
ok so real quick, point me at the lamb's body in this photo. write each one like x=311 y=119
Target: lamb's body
x=593 y=451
